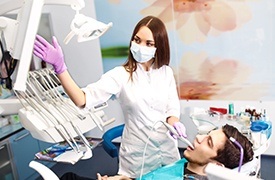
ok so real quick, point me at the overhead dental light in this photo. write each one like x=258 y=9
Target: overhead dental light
x=20 y=34
x=86 y=28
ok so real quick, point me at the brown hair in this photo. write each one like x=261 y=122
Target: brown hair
x=229 y=156
x=160 y=35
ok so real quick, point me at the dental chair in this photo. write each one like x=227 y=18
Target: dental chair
x=214 y=172
x=248 y=171
x=173 y=171
x=108 y=137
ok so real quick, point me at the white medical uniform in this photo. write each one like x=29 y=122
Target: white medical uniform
x=150 y=98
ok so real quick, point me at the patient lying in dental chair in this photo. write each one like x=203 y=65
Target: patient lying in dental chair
x=212 y=148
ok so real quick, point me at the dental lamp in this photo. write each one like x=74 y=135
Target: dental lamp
x=86 y=28
x=20 y=34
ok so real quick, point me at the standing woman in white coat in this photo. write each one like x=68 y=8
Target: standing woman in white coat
x=146 y=90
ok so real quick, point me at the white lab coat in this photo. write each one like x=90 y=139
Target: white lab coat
x=146 y=101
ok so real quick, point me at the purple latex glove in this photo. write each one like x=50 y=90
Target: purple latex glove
x=51 y=54
x=180 y=128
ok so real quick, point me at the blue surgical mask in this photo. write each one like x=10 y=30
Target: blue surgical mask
x=142 y=54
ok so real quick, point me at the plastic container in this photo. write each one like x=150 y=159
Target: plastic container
x=263 y=128
x=256 y=136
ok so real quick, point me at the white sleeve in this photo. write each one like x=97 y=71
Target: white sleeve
x=101 y=91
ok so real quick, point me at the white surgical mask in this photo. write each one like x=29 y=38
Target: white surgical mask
x=142 y=54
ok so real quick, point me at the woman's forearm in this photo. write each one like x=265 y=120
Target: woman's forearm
x=72 y=89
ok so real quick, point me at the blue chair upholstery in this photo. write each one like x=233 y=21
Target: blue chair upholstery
x=108 y=137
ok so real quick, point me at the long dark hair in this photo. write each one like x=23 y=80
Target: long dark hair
x=160 y=35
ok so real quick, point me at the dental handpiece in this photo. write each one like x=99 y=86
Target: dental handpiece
x=173 y=130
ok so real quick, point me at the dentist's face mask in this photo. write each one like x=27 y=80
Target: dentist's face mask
x=142 y=54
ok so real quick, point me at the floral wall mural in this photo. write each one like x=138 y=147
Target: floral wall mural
x=220 y=49
x=195 y=20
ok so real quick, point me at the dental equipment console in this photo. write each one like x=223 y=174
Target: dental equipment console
x=52 y=117
x=46 y=112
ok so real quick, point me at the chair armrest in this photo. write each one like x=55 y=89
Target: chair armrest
x=110 y=135
x=43 y=170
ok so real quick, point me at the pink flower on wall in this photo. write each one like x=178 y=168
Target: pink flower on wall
x=201 y=77
x=196 y=19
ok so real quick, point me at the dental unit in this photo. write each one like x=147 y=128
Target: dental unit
x=47 y=112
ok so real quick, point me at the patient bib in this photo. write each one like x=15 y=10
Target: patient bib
x=173 y=171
